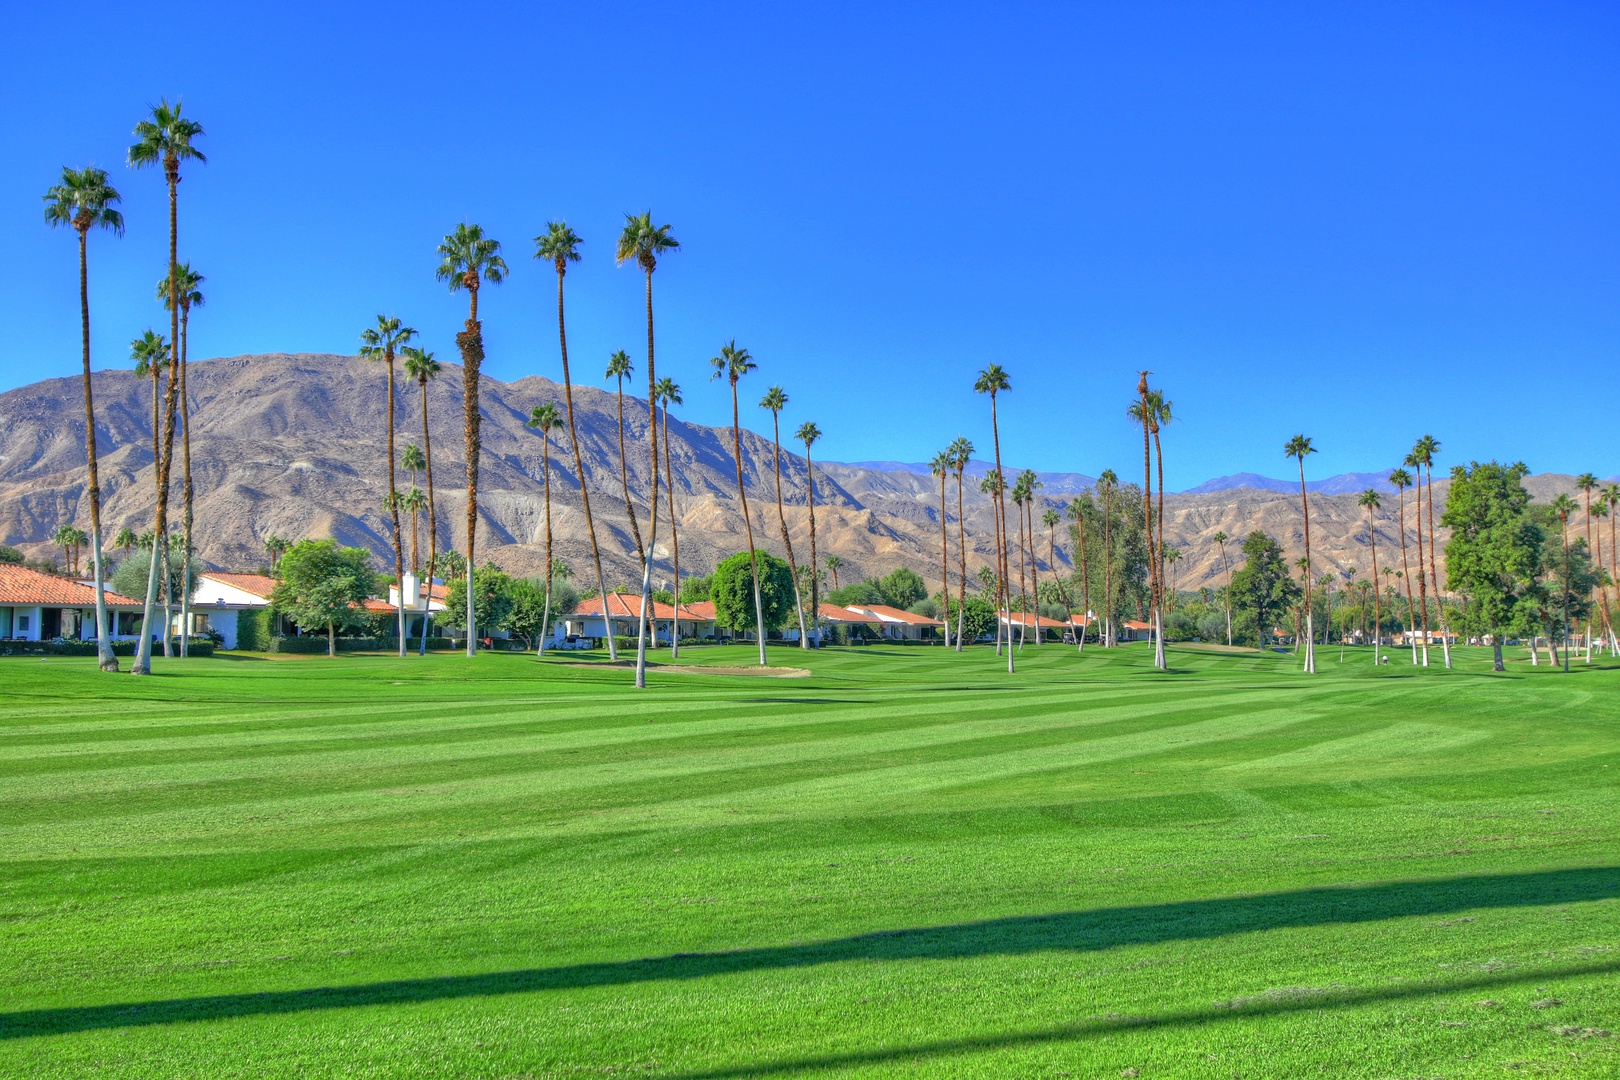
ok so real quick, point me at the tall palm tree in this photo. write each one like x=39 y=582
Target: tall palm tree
x=274 y=546
x=1372 y=502
x=1106 y=485
x=1564 y=507
x=1400 y=480
x=1297 y=448
x=618 y=368
x=1032 y=484
x=644 y=243
x=1226 y=569
x=1076 y=514
x=545 y=419
x=413 y=501
x=668 y=392
x=190 y=296
x=124 y=540
x=1159 y=415
x=1585 y=483
x=84 y=200
x=165 y=138
x=992 y=486
x=1020 y=496
x=1611 y=500
x=1425 y=450
x=1171 y=555
x=1140 y=412
x=961 y=452
x=940 y=466
x=151 y=355
x=1050 y=519
x=421 y=366
x=833 y=563
x=808 y=433
x=1601 y=511
x=776 y=400
x=467 y=260
x=380 y=342
x=64 y=538
x=559 y=245
x=412 y=461
x=732 y=364
x=993 y=380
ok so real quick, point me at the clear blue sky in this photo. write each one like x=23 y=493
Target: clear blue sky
x=1361 y=221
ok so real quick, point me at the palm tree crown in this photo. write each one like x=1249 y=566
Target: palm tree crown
x=732 y=363
x=642 y=242
x=380 y=342
x=558 y=245
x=84 y=200
x=165 y=139
x=419 y=364
x=468 y=257
x=150 y=352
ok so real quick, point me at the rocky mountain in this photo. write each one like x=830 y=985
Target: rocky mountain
x=1343 y=484
x=292 y=445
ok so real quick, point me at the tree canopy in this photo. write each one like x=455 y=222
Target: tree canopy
x=492 y=599
x=732 y=590
x=323 y=584
x=1494 y=556
x=1263 y=588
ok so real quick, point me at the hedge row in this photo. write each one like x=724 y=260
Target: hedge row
x=316 y=643
x=199 y=647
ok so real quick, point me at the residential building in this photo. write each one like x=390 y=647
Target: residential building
x=35 y=606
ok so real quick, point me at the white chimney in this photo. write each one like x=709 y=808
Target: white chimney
x=411 y=594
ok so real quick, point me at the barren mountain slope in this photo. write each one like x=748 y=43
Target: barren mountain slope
x=292 y=445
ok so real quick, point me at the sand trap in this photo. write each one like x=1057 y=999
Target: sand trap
x=692 y=669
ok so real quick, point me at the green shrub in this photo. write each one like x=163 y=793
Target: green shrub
x=253 y=629
x=316 y=643
x=199 y=647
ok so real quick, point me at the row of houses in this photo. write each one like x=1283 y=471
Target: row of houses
x=39 y=607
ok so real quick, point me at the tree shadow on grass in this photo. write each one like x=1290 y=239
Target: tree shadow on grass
x=1074 y=931
x=1273 y=1004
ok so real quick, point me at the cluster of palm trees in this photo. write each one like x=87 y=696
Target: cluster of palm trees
x=1606 y=506
x=84 y=199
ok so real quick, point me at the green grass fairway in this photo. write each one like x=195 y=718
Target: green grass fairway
x=906 y=863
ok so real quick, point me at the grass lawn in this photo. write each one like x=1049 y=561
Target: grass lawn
x=907 y=862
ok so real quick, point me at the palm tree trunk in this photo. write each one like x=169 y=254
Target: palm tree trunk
x=471 y=343
x=1439 y=599
x=624 y=479
x=961 y=549
x=1106 y=637
x=393 y=509
x=1372 y=540
x=579 y=469
x=675 y=544
x=1023 y=594
x=1158 y=554
x=185 y=482
x=433 y=518
x=652 y=501
x=545 y=471
x=1085 y=585
x=331 y=640
x=815 y=571
x=1001 y=539
x=1310 y=631
x=1147 y=511
x=748 y=521
x=1423 y=581
x=143 y=656
x=1406 y=574
x=787 y=541
x=944 y=559
x=104 y=654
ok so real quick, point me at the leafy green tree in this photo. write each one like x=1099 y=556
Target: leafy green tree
x=323 y=584
x=491 y=603
x=902 y=587
x=733 y=591
x=1569 y=575
x=10 y=556
x=84 y=200
x=858 y=593
x=1263 y=589
x=530 y=611
x=697 y=588
x=974 y=616
x=1494 y=555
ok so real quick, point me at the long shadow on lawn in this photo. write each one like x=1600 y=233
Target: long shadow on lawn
x=1074 y=931
x=1266 y=1005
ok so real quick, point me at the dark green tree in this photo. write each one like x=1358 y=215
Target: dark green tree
x=492 y=600
x=902 y=587
x=732 y=590
x=1263 y=589
x=1494 y=555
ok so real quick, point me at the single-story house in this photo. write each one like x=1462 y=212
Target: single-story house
x=590 y=618
x=35 y=606
x=218 y=598
x=434 y=592
x=838 y=623
x=1021 y=622
x=898 y=625
x=1135 y=630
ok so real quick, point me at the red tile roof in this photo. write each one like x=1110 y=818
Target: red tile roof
x=19 y=585
x=834 y=613
x=702 y=610
x=894 y=614
x=257 y=584
x=1019 y=618
x=1133 y=624
x=628 y=606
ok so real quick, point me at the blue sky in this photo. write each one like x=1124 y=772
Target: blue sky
x=1361 y=221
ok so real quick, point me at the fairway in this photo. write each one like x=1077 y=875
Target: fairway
x=905 y=862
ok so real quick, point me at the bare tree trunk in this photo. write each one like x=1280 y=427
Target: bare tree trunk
x=433 y=520
x=748 y=522
x=1439 y=598
x=675 y=543
x=545 y=619
x=652 y=500
x=787 y=541
x=961 y=549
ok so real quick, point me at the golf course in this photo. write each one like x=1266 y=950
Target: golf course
x=884 y=861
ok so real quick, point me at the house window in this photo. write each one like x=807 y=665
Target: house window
x=22 y=624
x=199 y=622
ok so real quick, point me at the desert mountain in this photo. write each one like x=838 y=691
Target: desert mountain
x=293 y=446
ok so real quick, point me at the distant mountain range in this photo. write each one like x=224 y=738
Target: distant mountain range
x=1069 y=483
x=291 y=445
